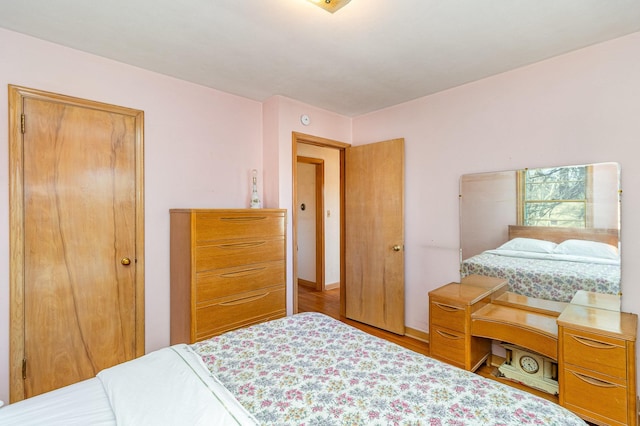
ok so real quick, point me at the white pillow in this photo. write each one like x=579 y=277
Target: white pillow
x=529 y=244
x=587 y=248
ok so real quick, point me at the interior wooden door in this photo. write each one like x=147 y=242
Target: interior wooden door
x=80 y=286
x=374 y=234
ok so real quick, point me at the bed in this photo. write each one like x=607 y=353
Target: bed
x=306 y=369
x=552 y=263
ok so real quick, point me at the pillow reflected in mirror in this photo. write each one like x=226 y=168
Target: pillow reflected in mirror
x=529 y=244
x=587 y=249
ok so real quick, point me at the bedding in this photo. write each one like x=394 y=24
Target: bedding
x=529 y=244
x=182 y=391
x=80 y=404
x=306 y=369
x=170 y=386
x=556 y=272
x=309 y=369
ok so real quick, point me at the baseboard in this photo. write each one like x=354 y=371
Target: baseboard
x=423 y=336
x=312 y=285
x=306 y=283
x=332 y=286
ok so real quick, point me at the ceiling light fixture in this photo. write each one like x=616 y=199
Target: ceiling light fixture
x=330 y=5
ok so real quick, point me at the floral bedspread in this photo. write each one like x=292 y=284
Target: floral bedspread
x=545 y=279
x=309 y=369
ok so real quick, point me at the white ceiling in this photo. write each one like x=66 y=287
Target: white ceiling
x=369 y=55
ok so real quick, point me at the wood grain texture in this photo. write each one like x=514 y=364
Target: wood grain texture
x=450 y=320
x=597 y=359
x=542 y=306
x=559 y=234
x=227 y=270
x=79 y=166
x=79 y=302
x=527 y=329
x=374 y=215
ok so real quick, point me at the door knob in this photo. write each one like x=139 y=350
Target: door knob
x=125 y=261
x=396 y=247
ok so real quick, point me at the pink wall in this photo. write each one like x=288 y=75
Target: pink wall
x=487 y=208
x=281 y=117
x=200 y=146
x=579 y=108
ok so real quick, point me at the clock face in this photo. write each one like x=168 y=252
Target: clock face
x=529 y=364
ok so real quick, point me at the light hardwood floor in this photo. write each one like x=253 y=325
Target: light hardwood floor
x=328 y=303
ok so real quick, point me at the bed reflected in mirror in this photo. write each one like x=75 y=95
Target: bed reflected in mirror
x=549 y=231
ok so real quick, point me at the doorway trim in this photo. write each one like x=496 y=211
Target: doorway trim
x=326 y=143
x=318 y=165
x=17 y=94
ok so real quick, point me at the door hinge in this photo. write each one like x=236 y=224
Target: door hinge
x=22 y=125
x=24 y=369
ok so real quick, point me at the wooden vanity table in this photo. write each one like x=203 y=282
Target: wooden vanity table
x=597 y=361
x=591 y=340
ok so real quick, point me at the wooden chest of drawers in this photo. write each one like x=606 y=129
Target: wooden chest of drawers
x=597 y=364
x=227 y=270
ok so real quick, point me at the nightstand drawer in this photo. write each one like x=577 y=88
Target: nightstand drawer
x=447 y=345
x=602 y=354
x=594 y=395
x=449 y=316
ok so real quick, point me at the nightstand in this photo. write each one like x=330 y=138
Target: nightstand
x=450 y=309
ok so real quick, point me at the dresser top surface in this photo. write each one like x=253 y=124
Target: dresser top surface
x=610 y=302
x=600 y=321
x=461 y=293
x=223 y=211
x=490 y=283
x=470 y=289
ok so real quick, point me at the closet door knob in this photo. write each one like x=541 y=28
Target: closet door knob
x=125 y=261
x=396 y=248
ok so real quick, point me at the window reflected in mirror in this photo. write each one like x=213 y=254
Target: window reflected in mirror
x=549 y=231
x=555 y=196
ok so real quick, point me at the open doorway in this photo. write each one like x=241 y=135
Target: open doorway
x=318 y=224
x=310 y=229
x=371 y=224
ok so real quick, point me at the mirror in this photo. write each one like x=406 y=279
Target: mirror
x=550 y=231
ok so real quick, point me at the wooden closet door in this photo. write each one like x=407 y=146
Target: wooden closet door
x=79 y=241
